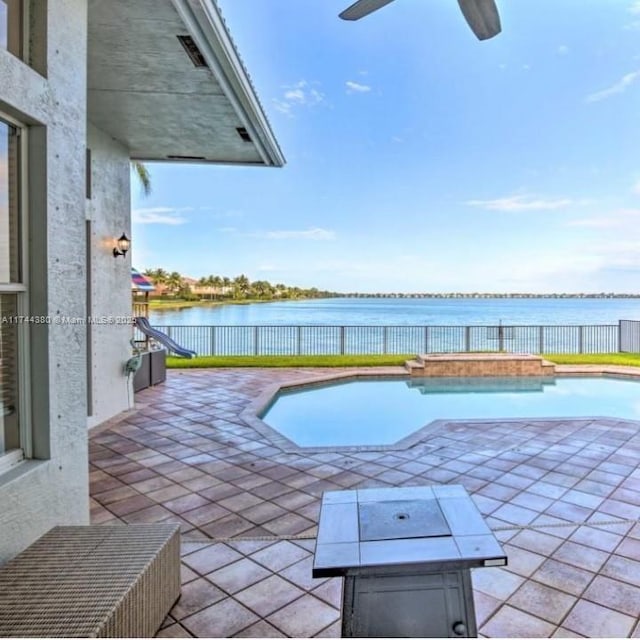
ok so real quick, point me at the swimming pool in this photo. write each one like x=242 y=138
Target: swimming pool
x=378 y=411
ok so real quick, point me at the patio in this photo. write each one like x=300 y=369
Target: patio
x=562 y=496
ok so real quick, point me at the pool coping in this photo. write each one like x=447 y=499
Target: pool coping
x=251 y=414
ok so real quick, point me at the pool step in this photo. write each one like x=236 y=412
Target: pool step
x=479 y=364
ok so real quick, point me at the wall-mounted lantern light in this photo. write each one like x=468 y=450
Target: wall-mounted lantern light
x=123 y=243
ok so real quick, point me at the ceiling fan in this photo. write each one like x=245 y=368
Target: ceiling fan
x=481 y=15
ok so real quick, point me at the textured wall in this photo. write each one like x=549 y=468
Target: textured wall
x=109 y=213
x=53 y=490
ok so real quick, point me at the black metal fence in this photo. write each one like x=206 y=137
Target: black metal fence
x=335 y=340
x=629 y=336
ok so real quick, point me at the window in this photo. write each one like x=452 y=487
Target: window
x=9 y=204
x=11 y=26
x=12 y=288
x=23 y=31
x=9 y=418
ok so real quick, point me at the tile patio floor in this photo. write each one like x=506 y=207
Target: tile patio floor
x=562 y=496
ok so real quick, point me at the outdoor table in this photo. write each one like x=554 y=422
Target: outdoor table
x=406 y=555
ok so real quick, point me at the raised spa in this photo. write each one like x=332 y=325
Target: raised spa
x=375 y=411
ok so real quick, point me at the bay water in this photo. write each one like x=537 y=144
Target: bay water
x=408 y=311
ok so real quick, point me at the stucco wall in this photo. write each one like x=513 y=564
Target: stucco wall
x=108 y=211
x=52 y=489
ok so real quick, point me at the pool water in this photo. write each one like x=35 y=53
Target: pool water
x=382 y=411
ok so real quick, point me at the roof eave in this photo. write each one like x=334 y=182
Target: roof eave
x=206 y=26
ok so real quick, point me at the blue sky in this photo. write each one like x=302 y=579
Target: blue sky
x=419 y=158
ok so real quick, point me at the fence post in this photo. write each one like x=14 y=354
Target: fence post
x=541 y=339
x=342 y=341
x=212 y=350
x=500 y=338
x=619 y=336
x=467 y=339
x=299 y=340
x=256 y=344
x=580 y=338
x=384 y=339
x=426 y=339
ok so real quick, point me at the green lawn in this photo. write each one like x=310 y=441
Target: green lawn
x=628 y=359
x=205 y=362
x=287 y=361
x=181 y=304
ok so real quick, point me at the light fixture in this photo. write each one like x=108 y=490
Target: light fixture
x=123 y=244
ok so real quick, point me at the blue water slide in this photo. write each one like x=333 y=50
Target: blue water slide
x=163 y=338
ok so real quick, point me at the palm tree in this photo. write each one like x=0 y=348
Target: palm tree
x=216 y=283
x=203 y=283
x=226 y=283
x=144 y=177
x=241 y=286
x=262 y=289
x=281 y=290
x=158 y=276
x=174 y=282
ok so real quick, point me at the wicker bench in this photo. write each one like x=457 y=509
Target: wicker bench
x=93 y=581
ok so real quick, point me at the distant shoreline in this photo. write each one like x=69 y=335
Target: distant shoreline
x=490 y=295
x=172 y=305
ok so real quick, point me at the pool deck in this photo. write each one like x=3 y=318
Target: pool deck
x=563 y=496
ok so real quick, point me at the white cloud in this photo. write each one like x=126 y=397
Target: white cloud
x=620 y=218
x=587 y=269
x=593 y=223
x=363 y=271
x=521 y=203
x=158 y=215
x=300 y=94
x=634 y=10
x=356 y=87
x=282 y=107
x=618 y=254
x=295 y=95
x=550 y=266
x=212 y=212
x=562 y=50
x=619 y=87
x=315 y=233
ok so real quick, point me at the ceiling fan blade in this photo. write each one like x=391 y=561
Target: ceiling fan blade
x=363 y=8
x=482 y=16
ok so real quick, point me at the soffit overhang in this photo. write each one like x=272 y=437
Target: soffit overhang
x=146 y=92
